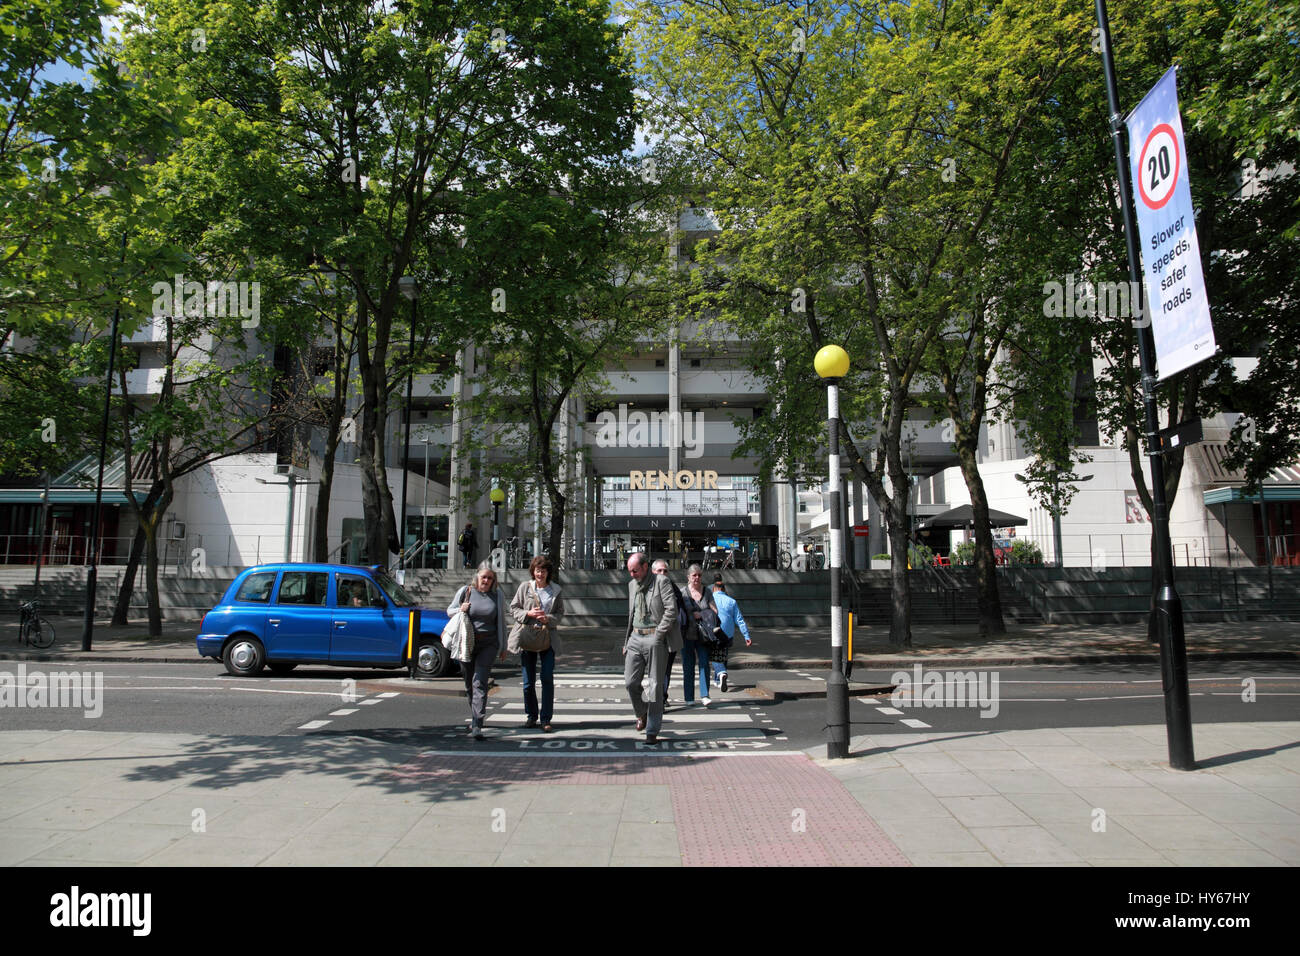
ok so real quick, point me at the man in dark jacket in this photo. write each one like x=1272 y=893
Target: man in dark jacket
x=467 y=544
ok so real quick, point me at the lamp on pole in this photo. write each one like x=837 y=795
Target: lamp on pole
x=407 y=285
x=832 y=364
x=498 y=495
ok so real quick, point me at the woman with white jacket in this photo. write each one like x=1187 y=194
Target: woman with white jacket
x=480 y=601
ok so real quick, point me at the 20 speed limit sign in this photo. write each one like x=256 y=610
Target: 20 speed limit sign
x=1159 y=164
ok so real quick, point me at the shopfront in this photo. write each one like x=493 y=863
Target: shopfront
x=685 y=539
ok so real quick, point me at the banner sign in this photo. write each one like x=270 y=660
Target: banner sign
x=675 y=502
x=607 y=523
x=1176 y=305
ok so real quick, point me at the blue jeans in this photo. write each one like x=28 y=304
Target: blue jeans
x=530 y=660
x=695 y=655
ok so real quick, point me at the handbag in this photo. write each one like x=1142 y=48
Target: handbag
x=527 y=636
x=458 y=636
x=708 y=626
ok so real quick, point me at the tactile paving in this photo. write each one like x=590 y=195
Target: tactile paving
x=769 y=810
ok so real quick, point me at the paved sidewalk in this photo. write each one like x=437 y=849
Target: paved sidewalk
x=1074 y=797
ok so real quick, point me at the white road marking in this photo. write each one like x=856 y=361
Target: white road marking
x=669 y=718
x=313 y=724
x=343 y=713
x=369 y=700
x=914 y=723
x=251 y=690
x=891 y=711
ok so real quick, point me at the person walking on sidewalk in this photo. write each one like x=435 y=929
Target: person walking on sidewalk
x=651 y=633
x=698 y=637
x=467 y=544
x=660 y=566
x=730 y=619
x=481 y=601
x=536 y=609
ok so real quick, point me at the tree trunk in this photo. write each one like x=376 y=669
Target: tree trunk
x=143 y=511
x=127 y=587
x=900 y=618
x=555 y=538
x=321 y=532
x=990 y=601
x=151 y=563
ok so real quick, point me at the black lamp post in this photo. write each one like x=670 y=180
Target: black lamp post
x=1168 y=617
x=407 y=285
x=92 y=542
x=832 y=364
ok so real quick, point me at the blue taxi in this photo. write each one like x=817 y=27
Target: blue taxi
x=281 y=615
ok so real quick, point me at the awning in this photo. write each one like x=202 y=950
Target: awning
x=76 y=485
x=1281 y=484
x=963 y=516
x=65 y=496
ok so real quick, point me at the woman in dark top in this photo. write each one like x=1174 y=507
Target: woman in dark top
x=481 y=601
x=695 y=651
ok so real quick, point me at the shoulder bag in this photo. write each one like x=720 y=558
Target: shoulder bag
x=527 y=636
x=458 y=636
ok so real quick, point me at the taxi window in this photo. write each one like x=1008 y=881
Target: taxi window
x=303 y=587
x=355 y=590
x=257 y=587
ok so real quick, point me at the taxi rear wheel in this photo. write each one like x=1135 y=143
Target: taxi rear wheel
x=244 y=656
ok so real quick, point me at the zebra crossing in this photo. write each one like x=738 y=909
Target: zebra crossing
x=592 y=714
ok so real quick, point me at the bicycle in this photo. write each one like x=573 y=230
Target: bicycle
x=34 y=630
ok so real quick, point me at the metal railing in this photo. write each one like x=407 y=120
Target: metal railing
x=1102 y=550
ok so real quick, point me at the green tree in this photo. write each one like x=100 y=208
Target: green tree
x=860 y=158
x=380 y=126
x=582 y=268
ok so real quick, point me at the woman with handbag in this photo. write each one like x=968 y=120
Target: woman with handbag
x=703 y=615
x=480 y=601
x=536 y=609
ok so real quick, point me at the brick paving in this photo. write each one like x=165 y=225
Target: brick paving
x=734 y=810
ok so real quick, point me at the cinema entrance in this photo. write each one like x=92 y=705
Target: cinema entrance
x=687 y=539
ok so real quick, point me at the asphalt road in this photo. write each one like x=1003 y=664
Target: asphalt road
x=593 y=712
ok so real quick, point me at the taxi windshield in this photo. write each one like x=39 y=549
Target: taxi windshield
x=394 y=590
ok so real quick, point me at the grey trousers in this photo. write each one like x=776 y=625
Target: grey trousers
x=646 y=653
x=477 y=673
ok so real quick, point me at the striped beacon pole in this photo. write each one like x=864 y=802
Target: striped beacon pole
x=832 y=364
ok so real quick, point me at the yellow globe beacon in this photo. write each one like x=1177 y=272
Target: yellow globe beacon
x=831 y=362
